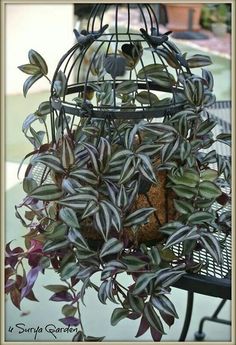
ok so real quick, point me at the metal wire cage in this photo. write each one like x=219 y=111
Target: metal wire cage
x=114 y=72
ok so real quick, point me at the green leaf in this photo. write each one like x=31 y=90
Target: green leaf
x=209 y=175
x=205 y=127
x=77 y=201
x=183 y=207
x=69 y=217
x=199 y=60
x=139 y=216
x=56 y=288
x=133 y=263
x=37 y=59
x=29 y=184
x=184 y=191
x=146 y=168
x=29 y=82
x=47 y=192
x=50 y=161
x=143 y=281
x=152 y=318
x=126 y=87
x=30 y=69
x=56 y=232
x=44 y=108
x=67 y=154
x=68 y=310
x=209 y=190
x=201 y=217
x=112 y=246
x=212 y=246
x=189 y=178
x=51 y=246
x=163 y=304
x=136 y=303
x=69 y=270
x=151 y=69
x=118 y=314
x=128 y=169
x=145 y=97
x=182 y=234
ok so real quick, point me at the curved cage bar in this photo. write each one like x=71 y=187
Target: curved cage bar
x=116 y=72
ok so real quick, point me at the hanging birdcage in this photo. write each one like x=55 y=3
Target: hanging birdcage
x=132 y=73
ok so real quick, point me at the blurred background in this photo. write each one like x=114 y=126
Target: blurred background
x=48 y=29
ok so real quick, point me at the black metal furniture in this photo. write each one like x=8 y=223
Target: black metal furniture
x=212 y=280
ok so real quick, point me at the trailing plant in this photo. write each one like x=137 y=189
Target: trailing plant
x=83 y=216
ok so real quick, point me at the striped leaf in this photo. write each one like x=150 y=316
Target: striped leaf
x=128 y=169
x=212 y=246
x=122 y=197
x=30 y=69
x=118 y=314
x=50 y=161
x=133 y=263
x=76 y=237
x=180 y=235
x=68 y=216
x=169 y=149
x=205 y=127
x=29 y=82
x=201 y=217
x=112 y=246
x=91 y=209
x=139 y=217
x=189 y=178
x=104 y=149
x=209 y=190
x=199 y=60
x=184 y=191
x=116 y=218
x=148 y=149
x=136 y=303
x=69 y=270
x=209 y=175
x=118 y=157
x=67 y=155
x=146 y=168
x=162 y=303
x=207 y=75
x=143 y=281
x=77 y=201
x=51 y=246
x=93 y=155
x=47 y=192
x=84 y=175
x=183 y=207
x=152 y=318
x=37 y=59
x=29 y=184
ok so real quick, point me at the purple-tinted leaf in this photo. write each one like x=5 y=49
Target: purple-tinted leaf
x=133 y=316
x=169 y=319
x=33 y=259
x=31 y=278
x=156 y=336
x=15 y=297
x=70 y=321
x=78 y=337
x=8 y=272
x=62 y=296
x=143 y=327
x=9 y=285
x=31 y=296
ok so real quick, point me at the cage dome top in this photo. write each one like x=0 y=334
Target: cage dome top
x=119 y=71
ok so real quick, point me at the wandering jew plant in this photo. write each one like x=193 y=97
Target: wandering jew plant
x=114 y=197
